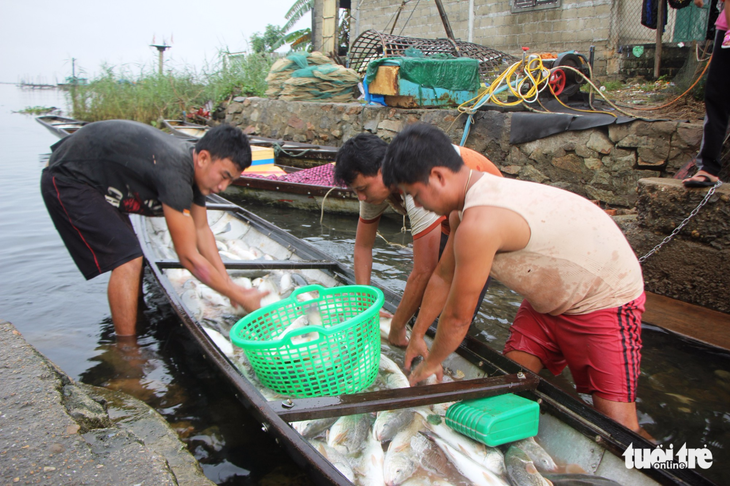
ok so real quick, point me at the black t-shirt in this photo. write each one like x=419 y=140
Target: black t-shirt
x=135 y=166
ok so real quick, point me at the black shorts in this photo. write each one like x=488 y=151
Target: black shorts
x=98 y=236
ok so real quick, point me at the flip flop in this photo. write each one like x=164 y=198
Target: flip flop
x=705 y=182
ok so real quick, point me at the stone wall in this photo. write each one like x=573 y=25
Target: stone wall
x=603 y=163
x=695 y=266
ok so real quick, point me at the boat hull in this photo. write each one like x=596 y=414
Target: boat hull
x=577 y=433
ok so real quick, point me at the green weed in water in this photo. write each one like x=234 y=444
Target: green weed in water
x=38 y=110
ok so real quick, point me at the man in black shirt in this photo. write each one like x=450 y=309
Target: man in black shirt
x=110 y=168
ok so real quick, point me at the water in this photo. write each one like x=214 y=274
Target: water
x=684 y=389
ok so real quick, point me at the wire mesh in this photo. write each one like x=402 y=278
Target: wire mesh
x=372 y=45
x=683 y=25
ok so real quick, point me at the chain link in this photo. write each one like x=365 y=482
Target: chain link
x=683 y=223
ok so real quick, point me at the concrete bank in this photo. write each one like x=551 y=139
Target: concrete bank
x=695 y=266
x=56 y=431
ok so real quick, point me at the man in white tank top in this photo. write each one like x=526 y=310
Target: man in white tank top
x=580 y=279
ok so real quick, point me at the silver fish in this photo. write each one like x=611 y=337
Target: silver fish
x=388 y=423
x=542 y=460
x=521 y=470
x=312 y=428
x=432 y=458
x=370 y=467
x=348 y=433
x=336 y=458
x=474 y=472
x=400 y=460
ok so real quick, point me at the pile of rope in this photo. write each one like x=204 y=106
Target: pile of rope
x=311 y=77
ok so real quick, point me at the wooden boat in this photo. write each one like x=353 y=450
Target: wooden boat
x=293 y=195
x=296 y=154
x=570 y=431
x=60 y=126
x=185 y=130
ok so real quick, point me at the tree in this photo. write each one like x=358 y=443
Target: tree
x=299 y=39
x=269 y=41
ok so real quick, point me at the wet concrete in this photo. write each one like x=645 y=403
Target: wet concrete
x=55 y=431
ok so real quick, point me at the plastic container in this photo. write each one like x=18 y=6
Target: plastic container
x=337 y=356
x=495 y=420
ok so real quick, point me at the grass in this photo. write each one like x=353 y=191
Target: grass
x=38 y=110
x=146 y=96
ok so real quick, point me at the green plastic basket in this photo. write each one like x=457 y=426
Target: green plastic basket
x=340 y=356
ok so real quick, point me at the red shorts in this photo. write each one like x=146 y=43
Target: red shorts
x=602 y=349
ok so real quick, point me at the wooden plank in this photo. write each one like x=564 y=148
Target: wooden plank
x=709 y=326
x=262 y=265
x=293 y=410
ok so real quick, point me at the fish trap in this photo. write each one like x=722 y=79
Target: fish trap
x=372 y=45
x=336 y=352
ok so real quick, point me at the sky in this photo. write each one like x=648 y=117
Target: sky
x=39 y=38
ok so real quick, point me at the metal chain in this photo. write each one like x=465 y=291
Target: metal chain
x=683 y=223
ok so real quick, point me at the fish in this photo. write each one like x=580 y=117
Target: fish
x=191 y=299
x=400 y=459
x=312 y=428
x=223 y=344
x=211 y=297
x=310 y=318
x=521 y=470
x=388 y=423
x=336 y=458
x=348 y=433
x=579 y=480
x=370 y=468
x=267 y=283
x=489 y=457
x=542 y=460
x=432 y=458
x=474 y=472
x=394 y=377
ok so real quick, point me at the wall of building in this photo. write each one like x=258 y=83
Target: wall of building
x=572 y=25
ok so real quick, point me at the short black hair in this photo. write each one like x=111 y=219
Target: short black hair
x=361 y=155
x=226 y=142
x=415 y=151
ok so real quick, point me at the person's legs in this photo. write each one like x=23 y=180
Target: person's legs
x=99 y=238
x=526 y=360
x=603 y=351
x=717 y=114
x=622 y=412
x=123 y=294
x=531 y=342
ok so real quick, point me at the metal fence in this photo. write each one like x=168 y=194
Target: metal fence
x=682 y=25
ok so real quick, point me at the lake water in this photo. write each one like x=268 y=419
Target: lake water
x=684 y=388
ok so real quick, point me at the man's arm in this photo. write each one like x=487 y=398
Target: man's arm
x=425 y=259
x=205 y=239
x=434 y=297
x=364 y=242
x=184 y=233
x=482 y=233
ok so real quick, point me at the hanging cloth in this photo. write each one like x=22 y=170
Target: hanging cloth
x=649 y=11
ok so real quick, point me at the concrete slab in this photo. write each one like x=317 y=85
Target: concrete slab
x=52 y=431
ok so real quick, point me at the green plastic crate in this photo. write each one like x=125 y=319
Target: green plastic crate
x=340 y=356
x=495 y=420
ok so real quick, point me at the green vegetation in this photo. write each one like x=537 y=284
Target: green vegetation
x=147 y=96
x=38 y=110
x=613 y=85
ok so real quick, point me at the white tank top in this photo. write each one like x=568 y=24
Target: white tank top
x=577 y=260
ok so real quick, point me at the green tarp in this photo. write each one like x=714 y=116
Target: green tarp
x=455 y=74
